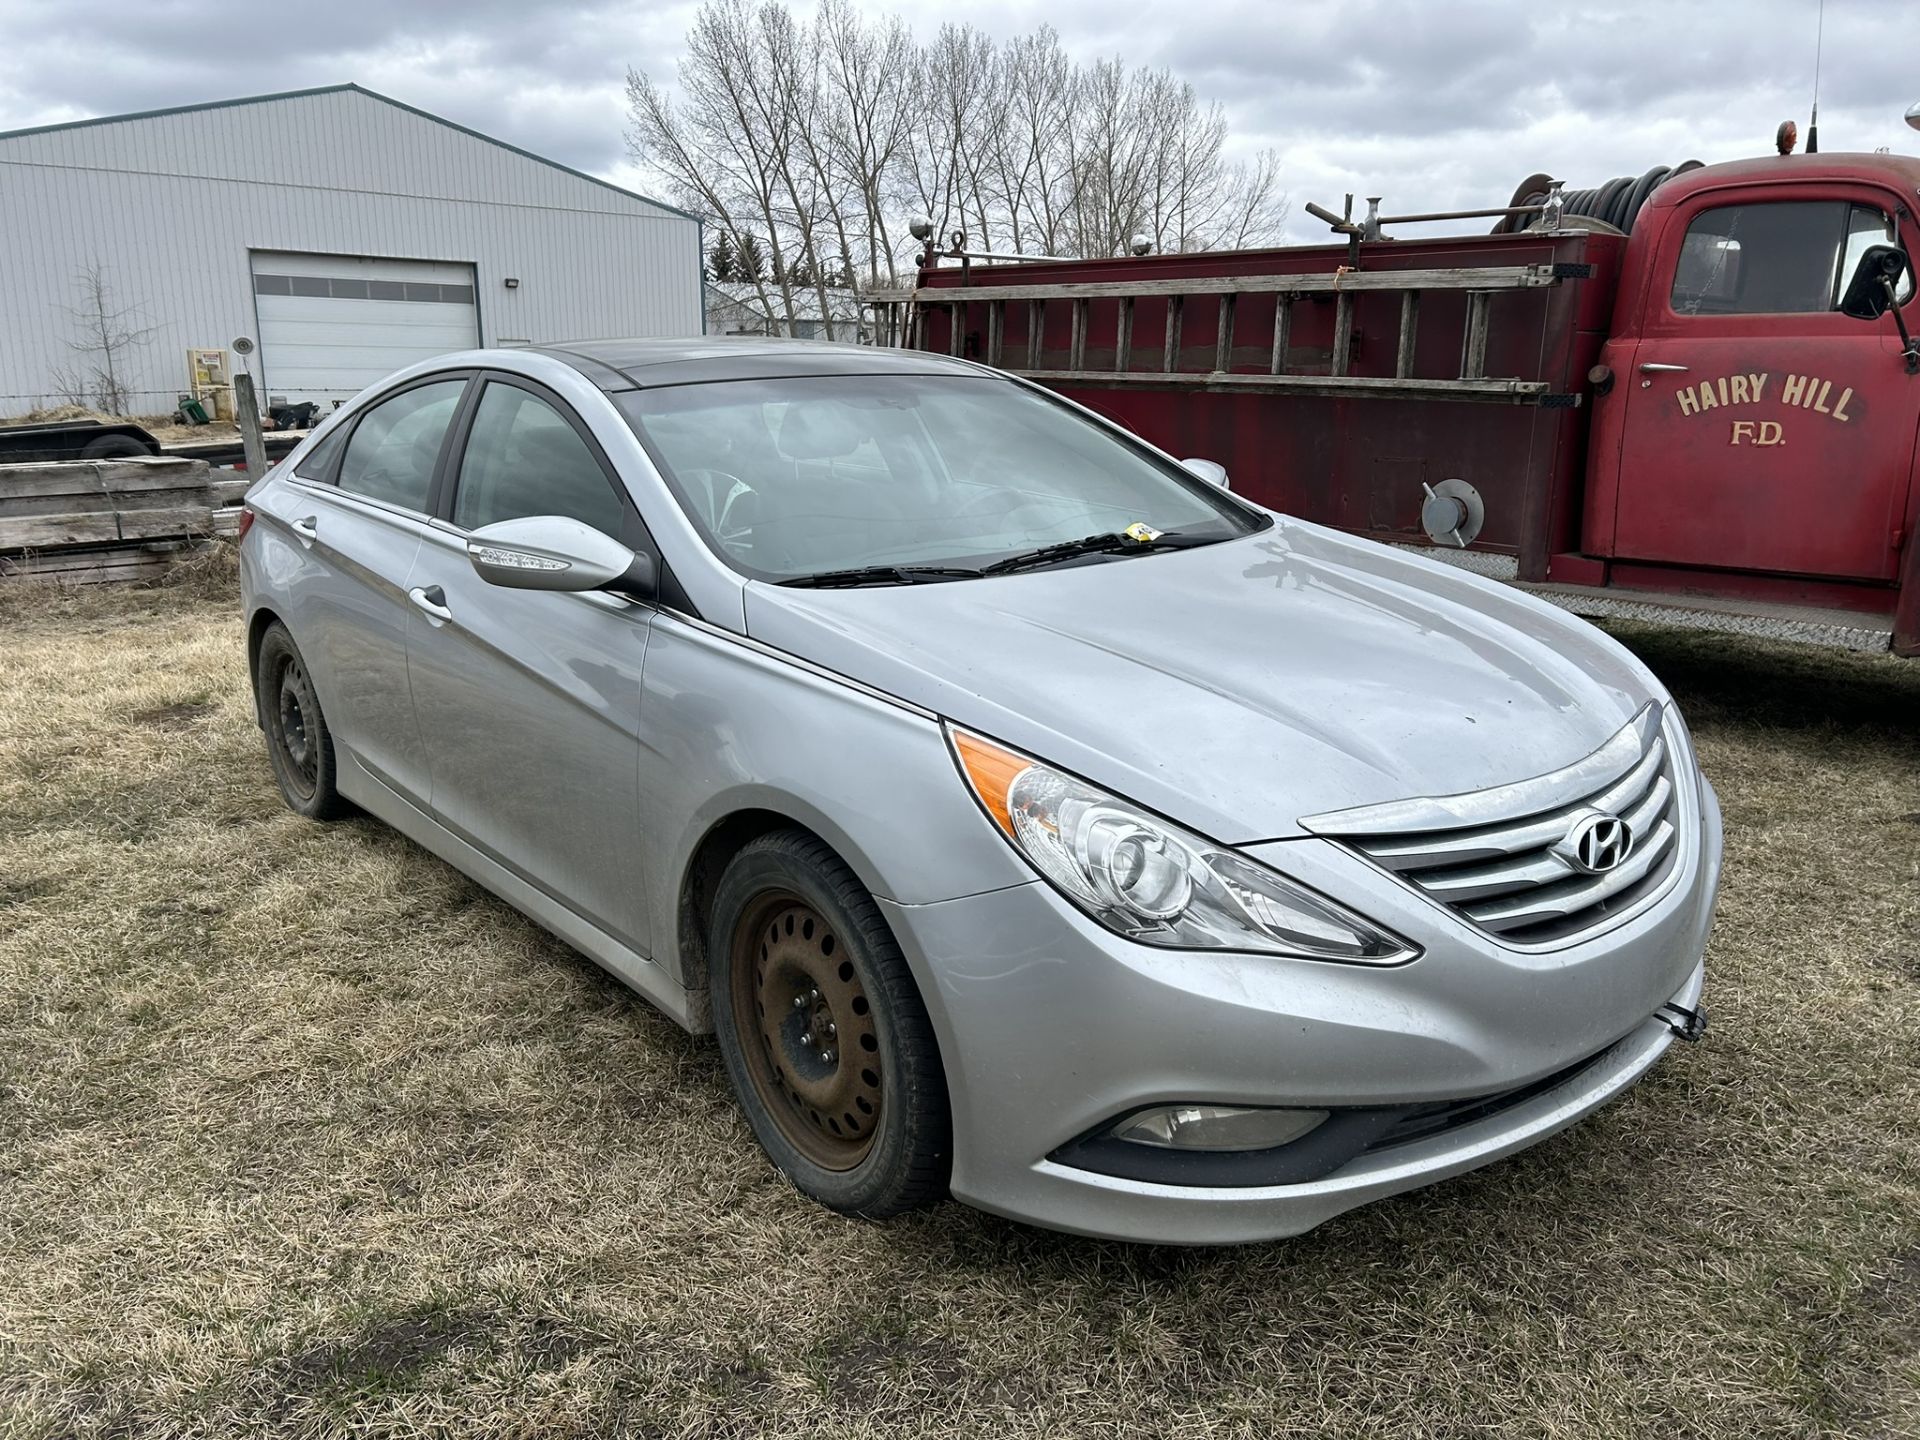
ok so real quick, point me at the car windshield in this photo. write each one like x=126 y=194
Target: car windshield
x=794 y=478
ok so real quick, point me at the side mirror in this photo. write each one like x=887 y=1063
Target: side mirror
x=1211 y=471
x=552 y=552
x=1875 y=283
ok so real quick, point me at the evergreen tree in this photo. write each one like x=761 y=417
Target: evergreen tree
x=720 y=260
x=750 y=263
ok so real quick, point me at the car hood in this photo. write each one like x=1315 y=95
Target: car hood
x=1237 y=687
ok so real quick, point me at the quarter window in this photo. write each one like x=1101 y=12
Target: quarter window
x=1776 y=257
x=396 y=445
x=314 y=464
x=523 y=458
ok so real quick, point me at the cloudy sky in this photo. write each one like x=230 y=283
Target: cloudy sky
x=1430 y=104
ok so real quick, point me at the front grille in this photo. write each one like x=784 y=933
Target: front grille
x=1505 y=860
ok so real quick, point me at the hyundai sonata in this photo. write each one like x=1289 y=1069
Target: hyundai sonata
x=1032 y=819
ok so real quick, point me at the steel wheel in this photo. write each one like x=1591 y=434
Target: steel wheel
x=299 y=741
x=812 y=1053
x=292 y=729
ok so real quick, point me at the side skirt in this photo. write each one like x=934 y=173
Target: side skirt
x=685 y=1008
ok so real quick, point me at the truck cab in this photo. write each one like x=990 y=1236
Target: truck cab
x=1751 y=435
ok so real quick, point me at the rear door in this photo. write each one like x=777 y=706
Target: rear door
x=529 y=700
x=357 y=511
x=1763 y=429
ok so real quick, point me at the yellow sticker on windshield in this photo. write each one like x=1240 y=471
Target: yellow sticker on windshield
x=1141 y=532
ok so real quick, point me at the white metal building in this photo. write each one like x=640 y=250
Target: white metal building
x=346 y=233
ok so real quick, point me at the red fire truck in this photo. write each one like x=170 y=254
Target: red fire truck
x=1697 y=402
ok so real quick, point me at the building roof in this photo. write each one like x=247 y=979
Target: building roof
x=336 y=90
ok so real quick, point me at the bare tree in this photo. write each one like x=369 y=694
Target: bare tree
x=107 y=335
x=819 y=137
x=868 y=73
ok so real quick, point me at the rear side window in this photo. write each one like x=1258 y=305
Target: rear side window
x=524 y=458
x=393 y=450
x=1777 y=257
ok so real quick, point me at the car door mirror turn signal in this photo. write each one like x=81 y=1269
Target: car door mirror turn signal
x=553 y=552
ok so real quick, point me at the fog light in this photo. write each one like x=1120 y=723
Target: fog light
x=1216 y=1127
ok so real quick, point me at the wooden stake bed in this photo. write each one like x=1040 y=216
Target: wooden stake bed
x=902 y=314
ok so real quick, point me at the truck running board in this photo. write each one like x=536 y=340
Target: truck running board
x=1805 y=624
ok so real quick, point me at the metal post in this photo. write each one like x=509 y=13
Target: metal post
x=247 y=412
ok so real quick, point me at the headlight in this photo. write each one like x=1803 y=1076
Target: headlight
x=1151 y=881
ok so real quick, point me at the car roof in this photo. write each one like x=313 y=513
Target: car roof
x=616 y=365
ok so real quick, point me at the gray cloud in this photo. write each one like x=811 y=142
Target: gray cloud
x=1429 y=104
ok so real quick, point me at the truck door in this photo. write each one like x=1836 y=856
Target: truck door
x=1763 y=429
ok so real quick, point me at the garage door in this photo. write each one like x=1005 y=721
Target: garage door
x=331 y=325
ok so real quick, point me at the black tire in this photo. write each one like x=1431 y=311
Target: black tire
x=113 y=447
x=299 y=744
x=801 y=959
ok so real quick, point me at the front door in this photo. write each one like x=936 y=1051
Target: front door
x=529 y=700
x=1764 y=430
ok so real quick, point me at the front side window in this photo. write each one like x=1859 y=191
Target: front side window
x=796 y=477
x=1776 y=257
x=523 y=458
x=396 y=445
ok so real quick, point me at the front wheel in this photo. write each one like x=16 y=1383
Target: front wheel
x=823 y=1031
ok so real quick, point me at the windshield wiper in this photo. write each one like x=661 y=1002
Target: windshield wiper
x=881 y=575
x=1116 y=542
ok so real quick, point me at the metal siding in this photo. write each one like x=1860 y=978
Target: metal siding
x=339 y=173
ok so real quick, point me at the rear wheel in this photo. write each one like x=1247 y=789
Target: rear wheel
x=823 y=1031
x=299 y=744
x=113 y=447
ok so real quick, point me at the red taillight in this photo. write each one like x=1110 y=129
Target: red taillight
x=246 y=521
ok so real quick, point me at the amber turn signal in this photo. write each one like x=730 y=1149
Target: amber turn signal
x=991 y=771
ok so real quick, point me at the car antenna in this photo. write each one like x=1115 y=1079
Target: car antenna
x=1819 y=41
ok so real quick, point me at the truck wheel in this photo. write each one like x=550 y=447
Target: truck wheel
x=299 y=744
x=113 y=447
x=823 y=1031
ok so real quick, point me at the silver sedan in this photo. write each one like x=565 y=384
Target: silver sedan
x=1032 y=819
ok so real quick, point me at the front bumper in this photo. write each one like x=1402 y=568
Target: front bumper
x=1050 y=1026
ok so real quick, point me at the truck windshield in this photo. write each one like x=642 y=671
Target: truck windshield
x=807 y=476
x=1775 y=257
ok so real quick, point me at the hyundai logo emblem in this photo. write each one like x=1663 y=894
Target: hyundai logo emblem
x=1597 y=843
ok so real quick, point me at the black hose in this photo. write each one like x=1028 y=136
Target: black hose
x=1617 y=203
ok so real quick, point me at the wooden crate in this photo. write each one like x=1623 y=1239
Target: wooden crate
x=68 y=504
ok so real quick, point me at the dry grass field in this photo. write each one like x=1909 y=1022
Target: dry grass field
x=303 y=1134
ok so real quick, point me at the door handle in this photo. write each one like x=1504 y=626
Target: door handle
x=1660 y=367
x=432 y=600
x=307 y=529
